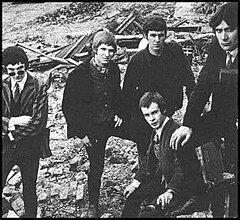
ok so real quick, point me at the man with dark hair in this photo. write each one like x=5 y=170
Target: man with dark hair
x=218 y=77
x=92 y=109
x=24 y=119
x=161 y=67
x=159 y=177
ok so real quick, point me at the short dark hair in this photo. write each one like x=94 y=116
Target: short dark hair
x=150 y=97
x=154 y=23
x=13 y=55
x=227 y=12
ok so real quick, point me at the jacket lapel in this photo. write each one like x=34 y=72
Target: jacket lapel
x=6 y=93
x=27 y=93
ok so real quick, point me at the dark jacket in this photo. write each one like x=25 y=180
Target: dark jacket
x=78 y=98
x=224 y=109
x=33 y=138
x=168 y=164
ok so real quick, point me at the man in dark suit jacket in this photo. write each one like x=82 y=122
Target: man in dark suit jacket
x=161 y=67
x=218 y=78
x=24 y=119
x=160 y=175
x=91 y=106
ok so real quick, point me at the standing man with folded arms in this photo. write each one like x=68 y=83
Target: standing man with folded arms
x=218 y=77
x=24 y=119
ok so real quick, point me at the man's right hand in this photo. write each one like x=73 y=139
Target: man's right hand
x=131 y=188
x=183 y=134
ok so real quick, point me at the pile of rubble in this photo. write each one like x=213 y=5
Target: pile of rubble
x=62 y=181
x=67 y=14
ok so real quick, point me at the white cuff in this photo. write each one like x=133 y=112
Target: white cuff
x=11 y=136
x=135 y=183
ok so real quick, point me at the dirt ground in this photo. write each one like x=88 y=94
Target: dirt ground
x=18 y=27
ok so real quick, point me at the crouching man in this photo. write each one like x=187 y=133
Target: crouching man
x=160 y=177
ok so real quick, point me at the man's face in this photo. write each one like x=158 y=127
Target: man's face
x=153 y=115
x=155 y=41
x=104 y=54
x=16 y=71
x=227 y=37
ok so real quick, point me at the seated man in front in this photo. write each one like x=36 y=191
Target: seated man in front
x=160 y=177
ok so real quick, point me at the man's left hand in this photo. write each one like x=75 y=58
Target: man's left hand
x=118 y=121
x=164 y=199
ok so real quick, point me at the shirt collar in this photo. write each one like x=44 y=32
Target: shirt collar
x=21 y=84
x=159 y=130
x=101 y=69
x=233 y=53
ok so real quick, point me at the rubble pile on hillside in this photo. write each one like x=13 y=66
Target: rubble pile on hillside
x=62 y=180
x=67 y=14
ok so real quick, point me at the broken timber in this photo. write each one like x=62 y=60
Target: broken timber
x=61 y=60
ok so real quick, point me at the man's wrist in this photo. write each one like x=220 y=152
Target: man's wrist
x=170 y=191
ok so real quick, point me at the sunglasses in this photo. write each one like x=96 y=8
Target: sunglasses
x=20 y=72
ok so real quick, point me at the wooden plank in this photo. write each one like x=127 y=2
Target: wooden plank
x=137 y=24
x=179 y=22
x=74 y=46
x=124 y=22
x=185 y=28
x=50 y=57
x=126 y=25
x=56 y=49
x=78 y=47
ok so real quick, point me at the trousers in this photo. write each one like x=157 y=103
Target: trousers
x=29 y=170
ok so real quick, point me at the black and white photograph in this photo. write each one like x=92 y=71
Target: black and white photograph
x=120 y=109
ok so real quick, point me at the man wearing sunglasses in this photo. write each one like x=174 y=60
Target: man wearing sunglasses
x=24 y=119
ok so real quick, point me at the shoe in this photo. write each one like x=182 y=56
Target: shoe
x=93 y=211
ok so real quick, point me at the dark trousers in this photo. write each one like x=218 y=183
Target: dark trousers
x=29 y=170
x=96 y=155
x=207 y=130
x=148 y=190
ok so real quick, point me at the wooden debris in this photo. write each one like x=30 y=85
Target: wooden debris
x=134 y=167
x=57 y=171
x=42 y=197
x=18 y=206
x=188 y=28
x=80 y=192
x=61 y=60
x=76 y=47
x=126 y=22
x=64 y=193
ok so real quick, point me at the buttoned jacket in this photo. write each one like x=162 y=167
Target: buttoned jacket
x=78 y=102
x=32 y=138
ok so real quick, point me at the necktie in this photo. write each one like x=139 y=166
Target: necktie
x=229 y=63
x=16 y=92
x=156 y=145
